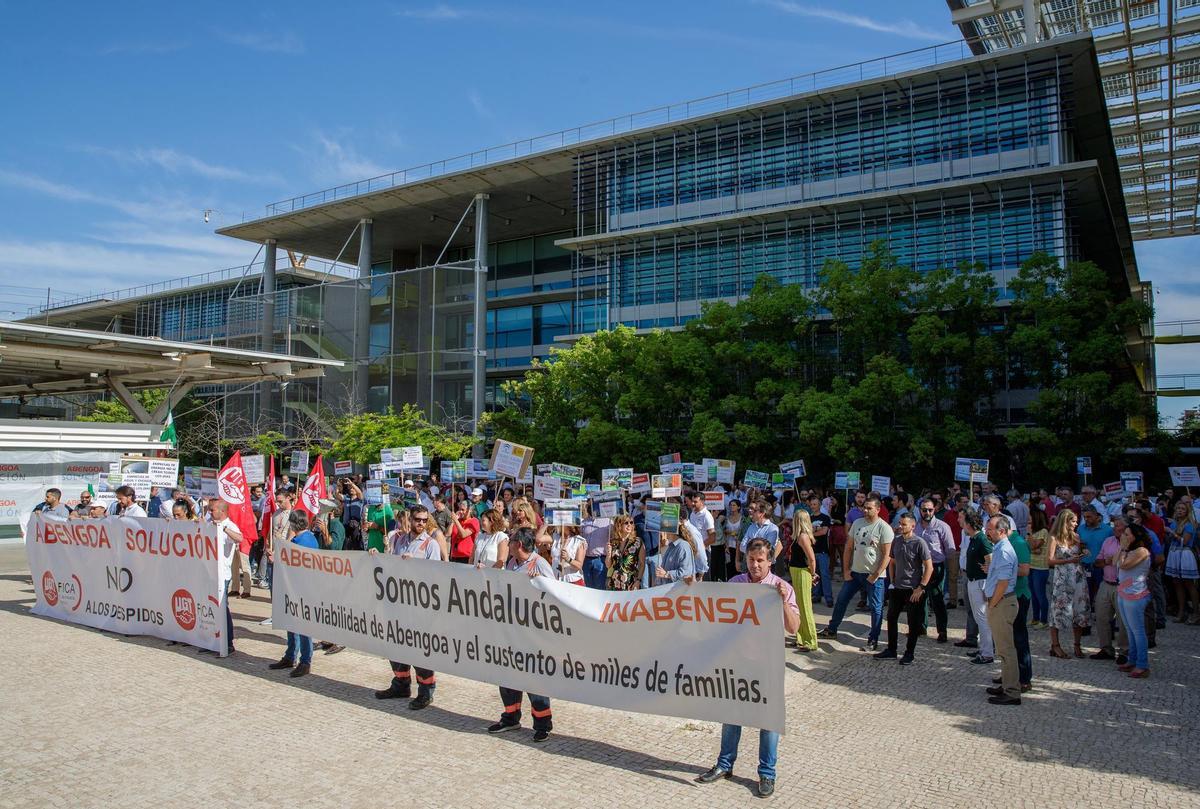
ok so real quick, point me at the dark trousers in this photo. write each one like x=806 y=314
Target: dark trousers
x=539 y=706
x=898 y=602
x=935 y=596
x=1021 y=641
x=402 y=679
x=228 y=623
x=720 y=566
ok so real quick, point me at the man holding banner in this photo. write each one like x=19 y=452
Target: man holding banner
x=760 y=554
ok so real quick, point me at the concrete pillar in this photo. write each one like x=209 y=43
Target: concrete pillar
x=362 y=331
x=266 y=393
x=1030 y=12
x=479 y=380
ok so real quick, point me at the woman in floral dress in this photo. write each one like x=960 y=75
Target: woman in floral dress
x=1070 y=610
x=626 y=555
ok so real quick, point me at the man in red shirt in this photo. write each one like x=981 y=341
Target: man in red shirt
x=464 y=527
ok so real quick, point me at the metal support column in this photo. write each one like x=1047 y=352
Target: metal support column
x=266 y=391
x=362 y=313
x=479 y=381
x=1030 y=13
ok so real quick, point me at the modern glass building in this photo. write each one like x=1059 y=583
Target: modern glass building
x=945 y=155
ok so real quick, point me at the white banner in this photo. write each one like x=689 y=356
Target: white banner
x=136 y=576
x=706 y=651
x=26 y=474
x=255 y=467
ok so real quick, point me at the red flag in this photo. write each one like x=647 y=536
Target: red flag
x=233 y=489
x=269 y=504
x=314 y=489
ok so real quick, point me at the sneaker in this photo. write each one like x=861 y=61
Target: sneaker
x=420 y=702
x=300 y=670
x=980 y=660
x=871 y=646
x=886 y=654
x=766 y=787
x=283 y=663
x=827 y=634
x=502 y=726
x=541 y=735
x=1103 y=654
x=907 y=660
x=1004 y=700
x=966 y=644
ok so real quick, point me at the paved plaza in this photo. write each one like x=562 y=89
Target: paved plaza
x=99 y=720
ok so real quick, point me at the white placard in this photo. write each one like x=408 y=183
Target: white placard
x=881 y=484
x=1184 y=476
x=510 y=460
x=546 y=488
x=255 y=467
x=299 y=465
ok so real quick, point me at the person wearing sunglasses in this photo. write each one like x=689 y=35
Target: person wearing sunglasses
x=940 y=539
x=422 y=541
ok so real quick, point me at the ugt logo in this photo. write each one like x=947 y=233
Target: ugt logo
x=69 y=591
x=183 y=607
x=232 y=482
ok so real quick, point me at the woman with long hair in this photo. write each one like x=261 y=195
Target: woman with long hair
x=1069 y=607
x=1181 y=560
x=1039 y=570
x=803 y=567
x=491 y=547
x=1133 y=594
x=626 y=555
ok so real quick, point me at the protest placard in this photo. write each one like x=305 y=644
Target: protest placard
x=714 y=500
x=608 y=504
x=1083 y=465
x=340 y=468
x=881 y=484
x=1183 y=476
x=720 y=471
x=847 y=480
x=794 y=468
x=639 y=483
x=654 y=515
x=546 y=488
x=255 y=467
x=510 y=460
x=663 y=486
x=567 y=473
x=757 y=480
x=670 y=457
x=299 y=462
x=164 y=472
x=562 y=512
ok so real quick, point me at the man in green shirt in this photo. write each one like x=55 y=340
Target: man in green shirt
x=380 y=520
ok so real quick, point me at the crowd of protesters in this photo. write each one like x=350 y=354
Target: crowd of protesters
x=1076 y=567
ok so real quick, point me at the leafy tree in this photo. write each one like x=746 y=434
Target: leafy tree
x=111 y=411
x=1068 y=329
x=362 y=436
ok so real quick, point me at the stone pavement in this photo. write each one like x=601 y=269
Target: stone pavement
x=98 y=720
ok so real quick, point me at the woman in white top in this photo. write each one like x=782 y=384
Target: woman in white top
x=567 y=551
x=491 y=546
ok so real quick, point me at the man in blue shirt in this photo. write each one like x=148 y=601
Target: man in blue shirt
x=301 y=535
x=1000 y=591
x=1093 y=532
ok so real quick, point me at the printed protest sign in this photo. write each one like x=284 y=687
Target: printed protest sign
x=719 y=471
x=639 y=483
x=669 y=522
x=1184 y=476
x=654 y=515
x=793 y=468
x=608 y=504
x=546 y=488
x=135 y=576
x=299 y=463
x=340 y=468
x=881 y=484
x=670 y=457
x=757 y=480
x=562 y=512
x=510 y=460
x=714 y=500
x=663 y=486
x=567 y=473
x=847 y=480
x=1083 y=465
x=1132 y=482
x=255 y=467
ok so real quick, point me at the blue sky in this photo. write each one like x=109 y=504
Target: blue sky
x=124 y=121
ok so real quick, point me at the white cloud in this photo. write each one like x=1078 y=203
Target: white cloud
x=903 y=28
x=332 y=160
x=285 y=42
x=439 y=11
x=156 y=208
x=176 y=162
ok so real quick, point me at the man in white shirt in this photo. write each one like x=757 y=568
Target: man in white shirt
x=231 y=539
x=701 y=519
x=126 y=507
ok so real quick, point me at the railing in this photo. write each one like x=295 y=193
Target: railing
x=1168 y=383
x=1177 y=328
x=658 y=116
x=283 y=263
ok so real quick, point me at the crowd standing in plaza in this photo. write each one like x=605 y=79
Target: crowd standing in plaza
x=1075 y=567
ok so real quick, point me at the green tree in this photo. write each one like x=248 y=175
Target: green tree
x=362 y=436
x=1068 y=333
x=111 y=411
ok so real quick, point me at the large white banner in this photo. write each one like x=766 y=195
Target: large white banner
x=705 y=651
x=26 y=474
x=136 y=576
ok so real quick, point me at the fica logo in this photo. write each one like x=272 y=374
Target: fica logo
x=69 y=591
